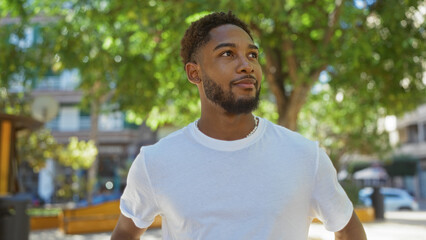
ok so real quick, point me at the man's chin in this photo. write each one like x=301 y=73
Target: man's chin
x=245 y=97
x=242 y=105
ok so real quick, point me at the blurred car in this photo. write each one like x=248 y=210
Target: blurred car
x=394 y=199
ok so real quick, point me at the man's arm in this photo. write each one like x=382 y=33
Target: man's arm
x=126 y=230
x=352 y=231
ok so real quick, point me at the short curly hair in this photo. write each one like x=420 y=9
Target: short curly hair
x=198 y=33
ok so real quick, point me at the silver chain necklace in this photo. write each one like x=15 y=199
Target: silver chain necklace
x=256 y=124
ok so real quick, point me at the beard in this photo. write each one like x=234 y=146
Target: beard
x=226 y=99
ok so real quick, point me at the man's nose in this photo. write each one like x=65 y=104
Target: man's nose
x=245 y=65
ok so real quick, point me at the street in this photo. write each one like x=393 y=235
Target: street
x=397 y=226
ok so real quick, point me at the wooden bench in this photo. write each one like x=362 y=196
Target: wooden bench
x=43 y=222
x=97 y=218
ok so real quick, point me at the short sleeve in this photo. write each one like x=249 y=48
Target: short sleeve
x=330 y=203
x=138 y=200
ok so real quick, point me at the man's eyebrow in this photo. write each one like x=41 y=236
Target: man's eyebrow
x=252 y=46
x=221 y=45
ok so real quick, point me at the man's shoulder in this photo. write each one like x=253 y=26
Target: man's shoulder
x=291 y=144
x=172 y=140
x=288 y=135
x=167 y=151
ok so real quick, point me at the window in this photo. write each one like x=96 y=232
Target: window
x=69 y=118
x=85 y=121
x=113 y=121
x=412 y=133
x=424 y=132
x=391 y=195
x=402 y=132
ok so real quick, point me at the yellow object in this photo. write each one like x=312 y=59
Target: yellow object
x=97 y=218
x=365 y=214
x=39 y=223
x=6 y=134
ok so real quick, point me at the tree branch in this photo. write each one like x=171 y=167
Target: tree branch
x=106 y=97
x=333 y=19
x=274 y=76
x=376 y=5
x=314 y=74
x=255 y=28
x=290 y=59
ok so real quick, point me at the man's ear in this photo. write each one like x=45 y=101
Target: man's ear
x=192 y=72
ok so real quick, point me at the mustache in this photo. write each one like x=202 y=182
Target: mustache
x=243 y=77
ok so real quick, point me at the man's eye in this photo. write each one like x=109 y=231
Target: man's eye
x=227 y=54
x=253 y=55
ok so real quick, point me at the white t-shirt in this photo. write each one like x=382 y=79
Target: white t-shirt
x=266 y=186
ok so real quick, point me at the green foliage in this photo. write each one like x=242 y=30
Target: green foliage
x=78 y=154
x=37 y=212
x=351 y=190
x=344 y=122
x=379 y=55
x=373 y=55
x=21 y=60
x=36 y=147
x=14 y=103
x=65 y=190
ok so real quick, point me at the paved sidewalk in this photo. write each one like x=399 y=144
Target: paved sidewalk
x=397 y=226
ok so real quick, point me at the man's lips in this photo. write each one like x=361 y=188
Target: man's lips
x=245 y=82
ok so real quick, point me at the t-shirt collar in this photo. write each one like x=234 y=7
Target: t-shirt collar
x=223 y=145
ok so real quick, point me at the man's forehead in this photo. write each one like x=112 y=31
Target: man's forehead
x=229 y=33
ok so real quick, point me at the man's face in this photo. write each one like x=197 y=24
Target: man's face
x=226 y=99
x=230 y=70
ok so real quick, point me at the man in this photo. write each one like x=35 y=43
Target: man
x=231 y=175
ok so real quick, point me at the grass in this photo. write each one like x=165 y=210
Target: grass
x=43 y=211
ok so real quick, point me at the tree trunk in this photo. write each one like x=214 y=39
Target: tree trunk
x=93 y=170
x=289 y=111
x=291 y=88
x=288 y=103
x=97 y=100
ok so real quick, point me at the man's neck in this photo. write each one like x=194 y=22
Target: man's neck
x=226 y=126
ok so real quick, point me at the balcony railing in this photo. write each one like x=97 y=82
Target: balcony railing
x=84 y=124
x=68 y=80
x=50 y=83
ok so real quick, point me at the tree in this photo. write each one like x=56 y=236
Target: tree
x=344 y=123
x=128 y=52
x=34 y=148
x=364 y=45
x=133 y=48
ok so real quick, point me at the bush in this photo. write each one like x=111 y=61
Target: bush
x=43 y=211
x=351 y=190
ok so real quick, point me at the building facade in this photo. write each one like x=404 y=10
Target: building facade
x=412 y=141
x=118 y=140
